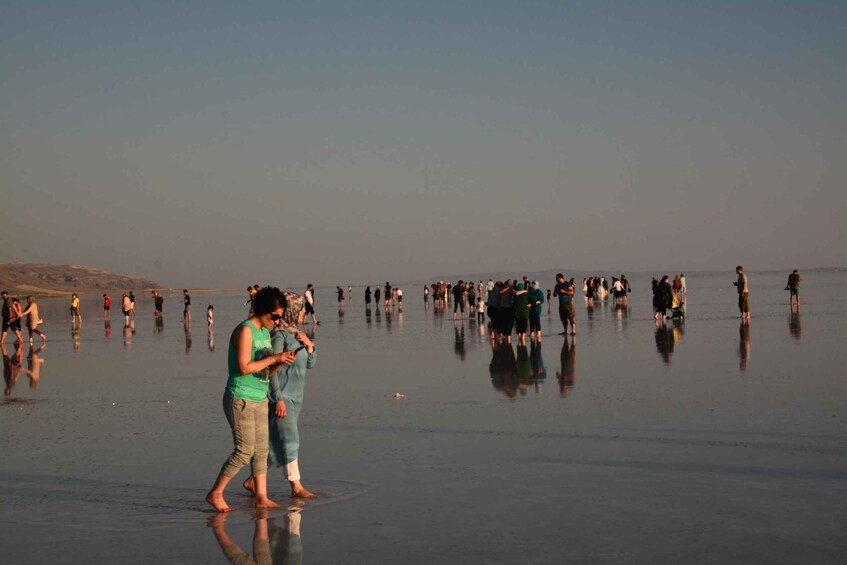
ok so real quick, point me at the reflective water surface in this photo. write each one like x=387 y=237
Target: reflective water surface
x=629 y=442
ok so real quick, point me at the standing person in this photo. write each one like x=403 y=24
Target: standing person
x=683 y=288
x=458 y=299
x=564 y=291
x=107 y=307
x=75 y=309
x=309 y=296
x=522 y=304
x=186 y=307
x=340 y=292
x=536 y=299
x=158 y=304
x=376 y=296
x=480 y=311
x=548 y=300
x=625 y=290
x=350 y=293
x=426 y=295
x=506 y=314
x=33 y=319
x=126 y=307
x=210 y=317
x=132 y=304
x=387 y=294
x=245 y=400
x=662 y=298
x=285 y=396
x=9 y=318
x=793 y=287
x=368 y=297
x=743 y=293
x=400 y=298
x=617 y=290
x=494 y=310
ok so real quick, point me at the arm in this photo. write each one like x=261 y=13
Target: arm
x=243 y=342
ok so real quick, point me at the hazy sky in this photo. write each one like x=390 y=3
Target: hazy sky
x=211 y=143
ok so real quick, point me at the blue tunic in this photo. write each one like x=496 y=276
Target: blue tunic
x=287 y=385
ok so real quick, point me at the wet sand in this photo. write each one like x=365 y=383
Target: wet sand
x=703 y=442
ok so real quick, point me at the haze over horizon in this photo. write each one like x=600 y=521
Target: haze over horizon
x=212 y=144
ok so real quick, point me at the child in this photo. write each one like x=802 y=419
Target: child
x=210 y=317
x=480 y=309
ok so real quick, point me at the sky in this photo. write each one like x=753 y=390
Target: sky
x=219 y=144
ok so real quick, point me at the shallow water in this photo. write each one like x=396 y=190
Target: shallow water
x=706 y=440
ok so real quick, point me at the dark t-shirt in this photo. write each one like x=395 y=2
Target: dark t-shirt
x=188 y=300
x=560 y=289
x=159 y=303
x=7 y=306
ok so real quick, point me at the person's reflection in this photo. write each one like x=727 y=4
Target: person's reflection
x=567 y=375
x=12 y=366
x=794 y=324
x=539 y=371
x=523 y=370
x=502 y=369
x=378 y=315
x=368 y=315
x=107 y=328
x=743 y=344
x=75 y=338
x=128 y=331
x=34 y=362
x=187 y=327
x=158 y=324
x=211 y=340
x=665 y=342
x=459 y=342
x=272 y=544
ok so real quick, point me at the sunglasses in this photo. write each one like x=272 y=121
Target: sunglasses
x=276 y=317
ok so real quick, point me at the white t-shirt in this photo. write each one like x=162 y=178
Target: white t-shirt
x=308 y=295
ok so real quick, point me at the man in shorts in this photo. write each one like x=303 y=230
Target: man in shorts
x=743 y=293
x=9 y=318
x=564 y=290
x=793 y=287
x=458 y=299
x=309 y=295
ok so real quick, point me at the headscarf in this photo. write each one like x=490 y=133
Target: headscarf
x=294 y=303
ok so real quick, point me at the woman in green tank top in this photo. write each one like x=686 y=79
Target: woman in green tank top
x=251 y=360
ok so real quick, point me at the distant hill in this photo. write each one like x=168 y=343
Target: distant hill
x=43 y=279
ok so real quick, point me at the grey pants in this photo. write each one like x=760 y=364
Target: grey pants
x=249 y=423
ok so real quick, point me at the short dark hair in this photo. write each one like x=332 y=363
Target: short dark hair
x=185 y=290
x=739 y=267
x=267 y=300
x=560 y=276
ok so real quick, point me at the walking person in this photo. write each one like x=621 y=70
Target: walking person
x=662 y=298
x=564 y=290
x=33 y=319
x=368 y=297
x=285 y=396
x=126 y=307
x=309 y=296
x=9 y=319
x=107 y=307
x=743 y=293
x=793 y=287
x=245 y=401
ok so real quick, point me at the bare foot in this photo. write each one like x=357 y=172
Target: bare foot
x=249 y=486
x=265 y=502
x=216 y=499
x=302 y=493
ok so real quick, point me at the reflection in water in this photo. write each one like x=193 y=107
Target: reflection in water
x=539 y=371
x=107 y=328
x=12 y=366
x=34 y=362
x=667 y=337
x=502 y=369
x=567 y=375
x=187 y=327
x=129 y=331
x=211 y=340
x=272 y=544
x=743 y=344
x=368 y=314
x=621 y=313
x=158 y=324
x=794 y=324
x=459 y=343
x=75 y=337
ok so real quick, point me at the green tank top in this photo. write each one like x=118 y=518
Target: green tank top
x=253 y=387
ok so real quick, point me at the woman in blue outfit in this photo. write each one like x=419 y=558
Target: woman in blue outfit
x=285 y=396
